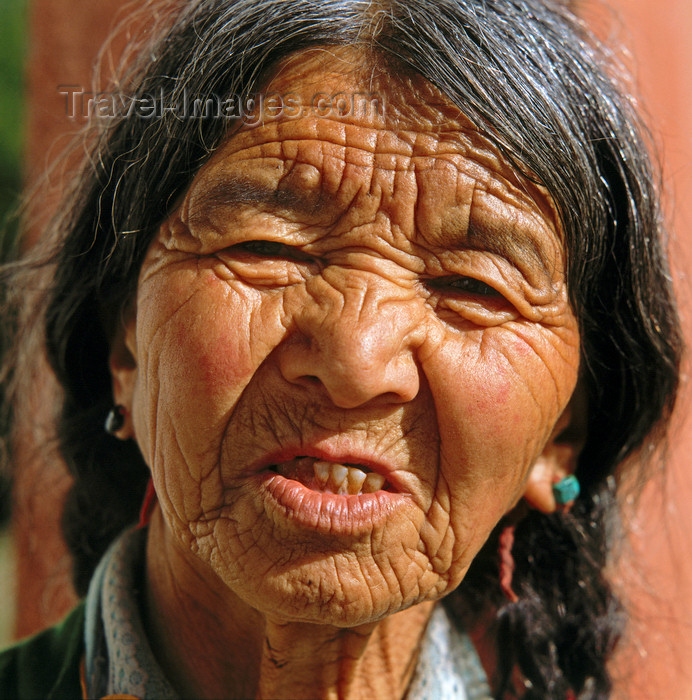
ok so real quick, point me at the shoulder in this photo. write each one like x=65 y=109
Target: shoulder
x=47 y=664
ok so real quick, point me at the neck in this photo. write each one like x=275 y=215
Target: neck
x=210 y=644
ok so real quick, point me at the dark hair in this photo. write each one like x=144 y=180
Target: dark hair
x=530 y=77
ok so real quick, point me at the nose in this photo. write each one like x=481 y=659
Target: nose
x=358 y=340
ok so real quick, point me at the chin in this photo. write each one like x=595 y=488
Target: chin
x=317 y=597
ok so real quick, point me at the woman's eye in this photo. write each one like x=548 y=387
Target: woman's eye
x=265 y=263
x=268 y=249
x=463 y=285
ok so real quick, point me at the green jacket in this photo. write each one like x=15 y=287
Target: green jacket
x=46 y=666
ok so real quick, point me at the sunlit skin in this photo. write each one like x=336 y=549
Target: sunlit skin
x=361 y=289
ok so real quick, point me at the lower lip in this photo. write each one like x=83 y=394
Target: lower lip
x=329 y=513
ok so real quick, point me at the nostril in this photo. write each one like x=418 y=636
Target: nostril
x=310 y=379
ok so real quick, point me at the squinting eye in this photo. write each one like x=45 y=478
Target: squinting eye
x=270 y=249
x=463 y=285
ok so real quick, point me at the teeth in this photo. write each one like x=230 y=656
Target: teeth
x=373 y=482
x=322 y=472
x=339 y=473
x=341 y=479
x=356 y=477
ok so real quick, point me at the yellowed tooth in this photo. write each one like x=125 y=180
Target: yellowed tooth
x=321 y=469
x=339 y=473
x=356 y=477
x=373 y=482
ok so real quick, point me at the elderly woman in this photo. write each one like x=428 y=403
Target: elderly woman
x=365 y=291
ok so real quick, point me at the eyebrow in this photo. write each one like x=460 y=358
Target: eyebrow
x=232 y=191
x=507 y=241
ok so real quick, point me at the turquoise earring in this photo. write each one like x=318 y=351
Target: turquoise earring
x=566 y=490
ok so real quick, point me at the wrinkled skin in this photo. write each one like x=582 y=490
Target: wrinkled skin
x=410 y=309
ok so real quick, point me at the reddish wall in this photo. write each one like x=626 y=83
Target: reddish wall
x=659 y=576
x=65 y=38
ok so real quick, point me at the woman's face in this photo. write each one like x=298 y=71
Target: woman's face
x=352 y=342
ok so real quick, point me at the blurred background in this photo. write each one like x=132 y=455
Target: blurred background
x=13 y=20
x=653 y=39
x=12 y=54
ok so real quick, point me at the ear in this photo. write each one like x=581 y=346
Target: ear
x=123 y=367
x=559 y=457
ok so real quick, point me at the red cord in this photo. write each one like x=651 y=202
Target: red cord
x=147 y=506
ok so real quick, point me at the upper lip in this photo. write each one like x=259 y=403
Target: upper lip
x=348 y=457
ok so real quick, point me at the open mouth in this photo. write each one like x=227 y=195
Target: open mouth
x=331 y=477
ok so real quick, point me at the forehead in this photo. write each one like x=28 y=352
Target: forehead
x=331 y=123
x=343 y=89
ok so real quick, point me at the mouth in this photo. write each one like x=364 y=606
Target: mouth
x=330 y=492
x=324 y=476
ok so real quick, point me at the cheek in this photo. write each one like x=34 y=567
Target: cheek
x=211 y=353
x=196 y=355
x=200 y=328
x=489 y=394
x=499 y=390
x=496 y=401
x=485 y=409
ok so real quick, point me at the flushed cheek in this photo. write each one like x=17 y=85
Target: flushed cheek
x=482 y=465
x=194 y=335
x=496 y=405
x=483 y=411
